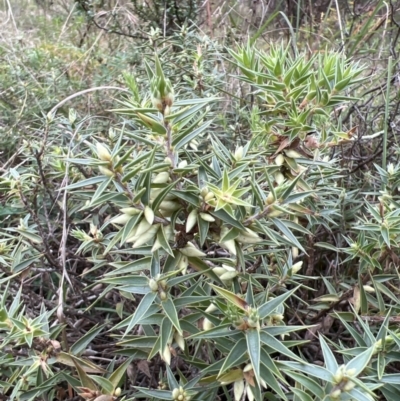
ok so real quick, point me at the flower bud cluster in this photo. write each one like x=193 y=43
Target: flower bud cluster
x=162 y=94
x=104 y=155
x=179 y=394
x=342 y=379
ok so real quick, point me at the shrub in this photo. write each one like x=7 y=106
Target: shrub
x=208 y=242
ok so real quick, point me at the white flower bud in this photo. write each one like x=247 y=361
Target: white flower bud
x=102 y=152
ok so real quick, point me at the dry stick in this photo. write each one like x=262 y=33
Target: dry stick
x=209 y=22
x=73 y=96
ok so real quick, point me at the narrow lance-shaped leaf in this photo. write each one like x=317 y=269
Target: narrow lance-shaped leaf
x=179 y=141
x=268 y=307
x=105 y=385
x=311 y=369
x=254 y=350
x=361 y=361
x=118 y=373
x=236 y=353
x=231 y=297
x=330 y=360
x=141 y=310
x=165 y=333
x=288 y=233
x=170 y=311
x=84 y=341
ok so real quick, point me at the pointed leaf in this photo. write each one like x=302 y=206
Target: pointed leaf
x=254 y=350
x=118 y=373
x=361 y=361
x=84 y=341
x=170 y=311
x=231 y=297
x=268 y=307
x=141 y=310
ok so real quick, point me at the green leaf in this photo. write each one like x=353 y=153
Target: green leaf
x=186 y=112
x=163 y=241
x=165 y=333
x=282 y=227
x=162 y=194
x=254 y=350
x=172 y=382
x=234 y=355
x=157 y=394
x=85 y=183
x=202 y=267
x=184 y=138
x=223 y=330
x=277 y=346
x=231 y=297
x=301 y=395
x=268 y=307
x=85 y=380
x=361 y=361
x=190 y=102
x=129 y=267
x=330 y=360
x=104 y=384
x=187 y=196
x=227 y=218
x=100 y=189
x=79 y=346
x=359 y=395
x=25 y=264
x=306 y=382
x=313 y=370
x=141 y=310
x=152 y=123
x=29 y=235
x=170 y=311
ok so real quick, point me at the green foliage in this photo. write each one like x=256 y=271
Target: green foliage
x=210 y=237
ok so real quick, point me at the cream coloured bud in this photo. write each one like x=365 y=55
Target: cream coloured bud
x=297 y=267
x=161 y=178
x=105 y=171
x=292 y=154
x=207 y=217
x=248 y=368
x=219 y=271
x=132 y=211
x=335 y=394
x=153 y=284
x=238 y=153
x=368 y=288
x=270 y=199
x=149 y=214
x=210 y=195
x=211 y=308
x=228 y=276
x=279 y=178
x=121 y=219
x=102 y=152
x=191 y=220
x=279 y=160
x=207 y=324
x=175 y=393
x=349 y=386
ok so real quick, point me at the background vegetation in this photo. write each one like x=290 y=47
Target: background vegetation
x=199 y=200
